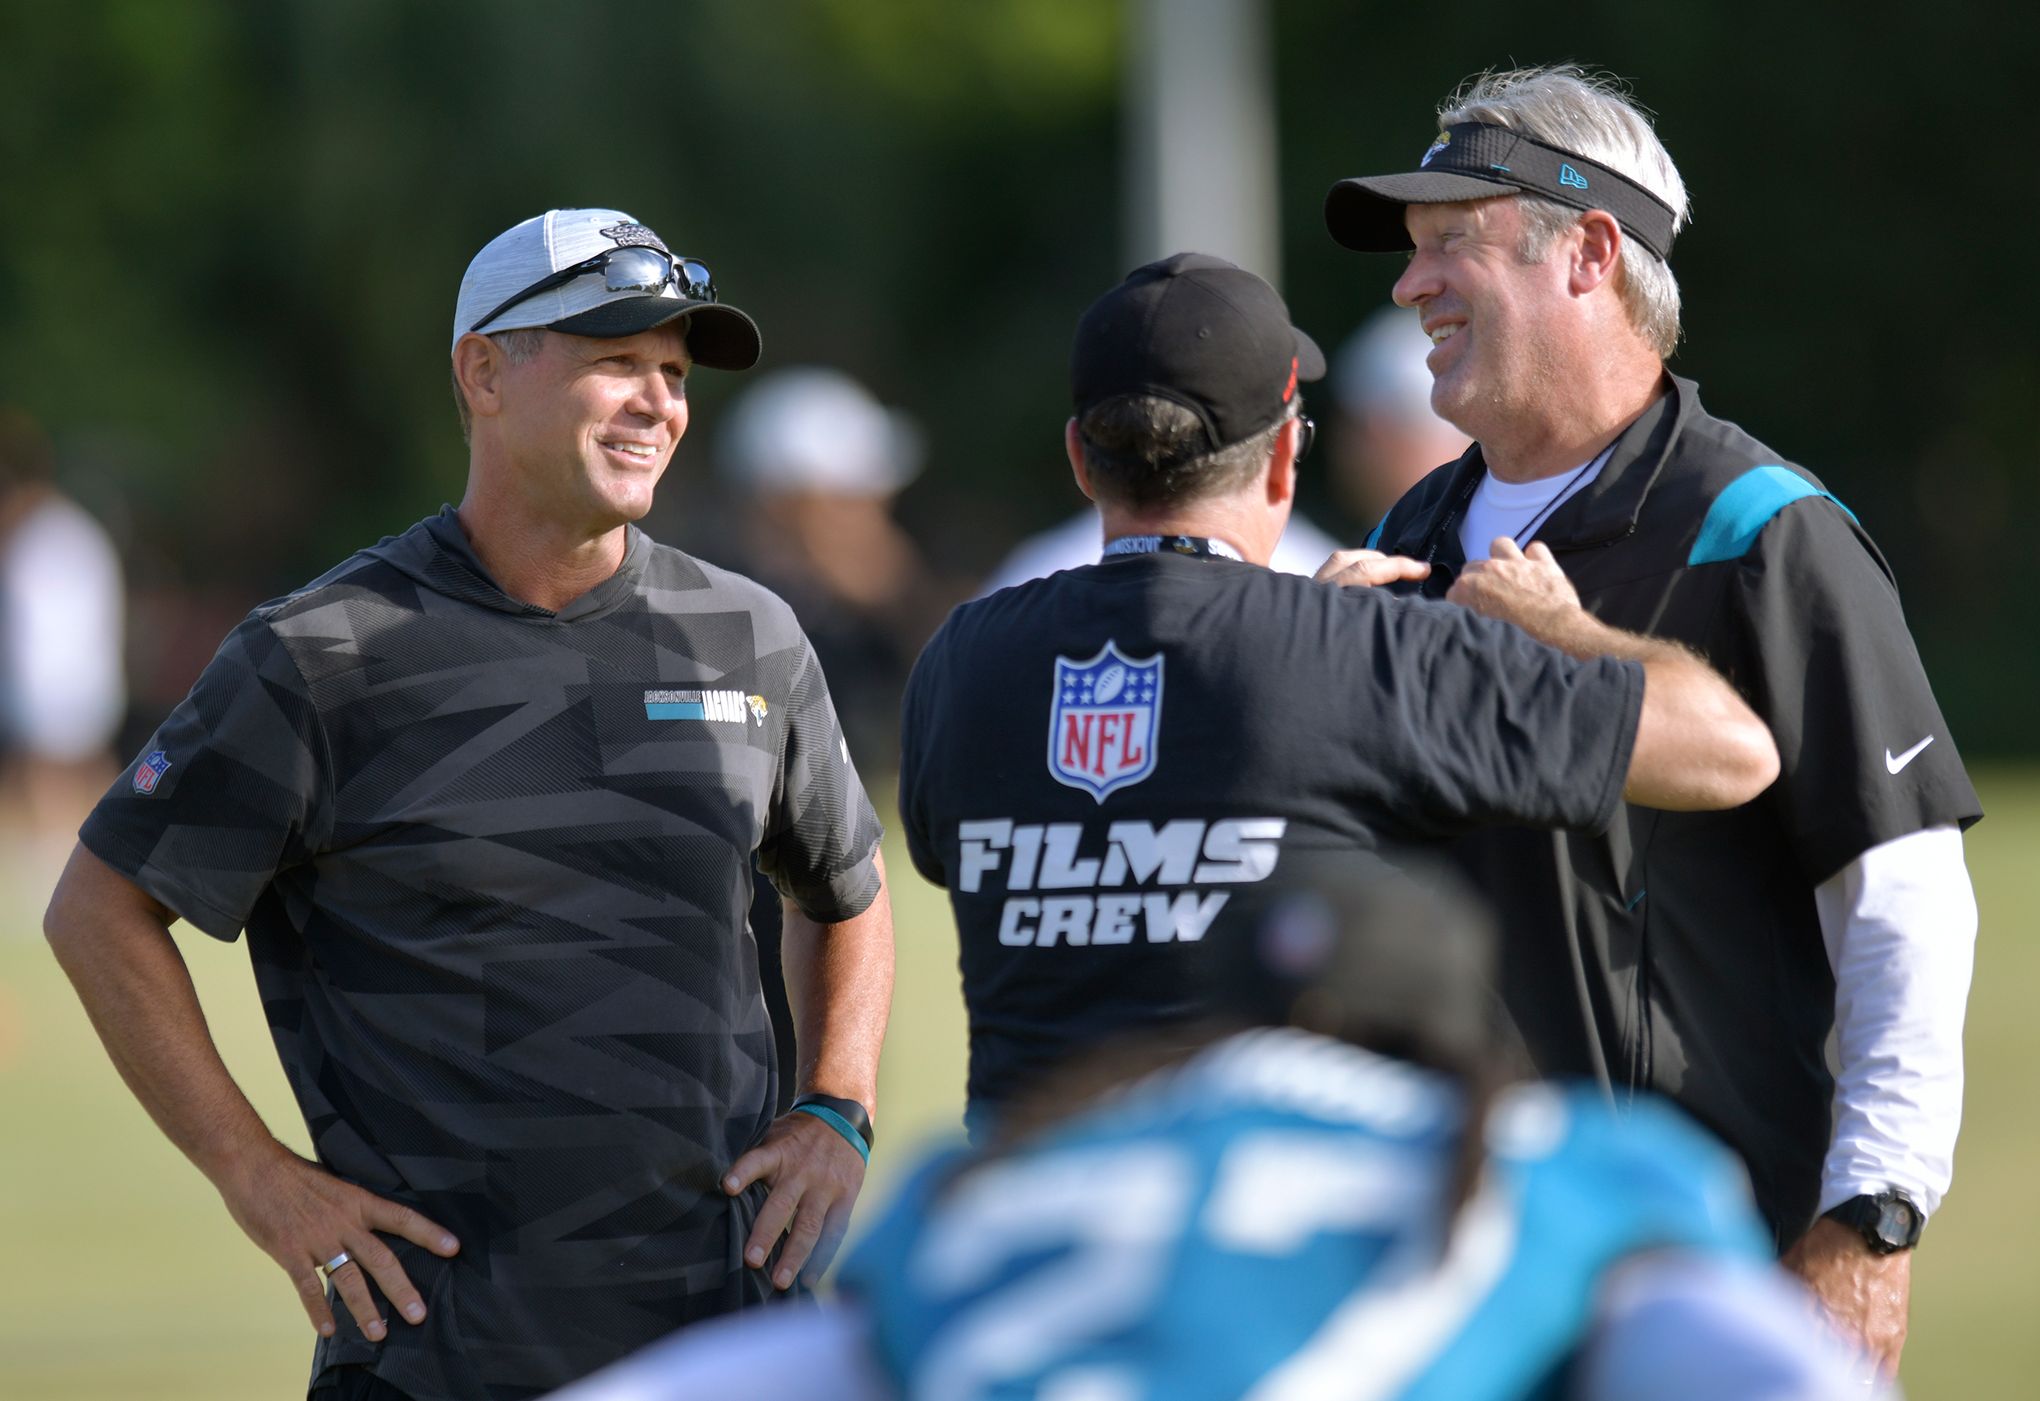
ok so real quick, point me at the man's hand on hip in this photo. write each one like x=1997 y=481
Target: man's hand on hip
x=304 y=1217
x=814 y=1176
x=1863 y=1293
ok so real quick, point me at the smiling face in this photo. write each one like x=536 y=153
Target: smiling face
x=589 y=425
x=1495 y=321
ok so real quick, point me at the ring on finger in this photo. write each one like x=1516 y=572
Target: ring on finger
x=336 y=1262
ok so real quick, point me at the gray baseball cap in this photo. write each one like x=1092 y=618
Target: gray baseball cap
x=601 y=273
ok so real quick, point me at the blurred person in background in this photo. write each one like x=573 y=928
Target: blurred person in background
x=487 y=798
x=811 y=464
x=1706 y=957
x=1385 y=437
x=1334 y=1189
x=62 y=626
x=814 y=464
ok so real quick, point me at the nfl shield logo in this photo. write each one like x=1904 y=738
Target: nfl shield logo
x=150 y=771
x=1105 y=720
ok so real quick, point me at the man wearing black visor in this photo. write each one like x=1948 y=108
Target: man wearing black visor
x=486 y=798
x=1704 y=956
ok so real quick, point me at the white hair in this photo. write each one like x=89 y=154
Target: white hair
x=1590 y=115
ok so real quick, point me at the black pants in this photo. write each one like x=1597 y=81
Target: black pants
x=354 y=1384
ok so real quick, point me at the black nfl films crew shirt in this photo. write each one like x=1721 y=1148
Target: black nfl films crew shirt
x=1681 y=951
x=1101 y=764
x=495 y=867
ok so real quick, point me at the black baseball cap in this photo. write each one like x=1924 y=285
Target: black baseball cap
x=1479 y=160
x=1200 y=332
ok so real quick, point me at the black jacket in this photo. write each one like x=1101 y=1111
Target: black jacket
x=1681 y=952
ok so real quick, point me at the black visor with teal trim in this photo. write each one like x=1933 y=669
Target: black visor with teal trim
x=1475 y=160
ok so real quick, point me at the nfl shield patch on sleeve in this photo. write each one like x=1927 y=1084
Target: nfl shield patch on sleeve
x=1104 y=720
x=150 y=771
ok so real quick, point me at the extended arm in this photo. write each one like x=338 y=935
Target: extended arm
x=1699 y=746
x=1900 y=927
x=839 y=980
x=113 y=940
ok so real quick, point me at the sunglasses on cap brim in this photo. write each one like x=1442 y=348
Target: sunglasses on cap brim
x=649 y=271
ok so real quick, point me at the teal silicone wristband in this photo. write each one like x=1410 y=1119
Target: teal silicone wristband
x=839 y=1124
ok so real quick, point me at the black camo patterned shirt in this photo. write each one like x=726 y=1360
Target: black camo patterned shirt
x=494 y=865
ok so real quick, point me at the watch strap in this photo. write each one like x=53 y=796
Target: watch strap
x=848 y=1110
x=1888 y=1221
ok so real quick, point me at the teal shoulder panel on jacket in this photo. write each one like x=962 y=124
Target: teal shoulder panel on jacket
x=1742 y=511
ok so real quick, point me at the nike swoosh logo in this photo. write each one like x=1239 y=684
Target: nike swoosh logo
x=1892 y=765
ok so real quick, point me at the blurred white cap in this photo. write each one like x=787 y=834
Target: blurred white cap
x=813 y=429
x=718 y=335
x=1380 y=370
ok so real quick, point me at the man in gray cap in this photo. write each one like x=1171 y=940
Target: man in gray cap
x=486 y=798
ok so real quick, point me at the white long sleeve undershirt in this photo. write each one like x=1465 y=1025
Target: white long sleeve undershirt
x=1900 y=927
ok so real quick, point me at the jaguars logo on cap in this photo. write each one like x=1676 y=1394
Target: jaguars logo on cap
x=1444 y=140
x=150 y=771
x=634 y=236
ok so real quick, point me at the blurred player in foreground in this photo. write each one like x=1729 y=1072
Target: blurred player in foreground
x=1292 y=1209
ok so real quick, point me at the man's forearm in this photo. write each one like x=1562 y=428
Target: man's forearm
x=839 y=980
x=118 y=953
x=1699 y=746
x=114 y=942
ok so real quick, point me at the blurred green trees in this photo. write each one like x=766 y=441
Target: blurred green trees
x=233 y=231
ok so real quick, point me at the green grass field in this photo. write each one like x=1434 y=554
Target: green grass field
x=122 y=1278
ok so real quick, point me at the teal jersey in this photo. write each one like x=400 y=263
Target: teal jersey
x=1267 y=1220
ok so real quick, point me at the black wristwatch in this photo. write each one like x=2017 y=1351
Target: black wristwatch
x=856 y=1114
x=1888 y=1222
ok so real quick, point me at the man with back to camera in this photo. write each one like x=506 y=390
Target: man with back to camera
x=1093 y=762
x=1707 y=957
x=486 y=797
